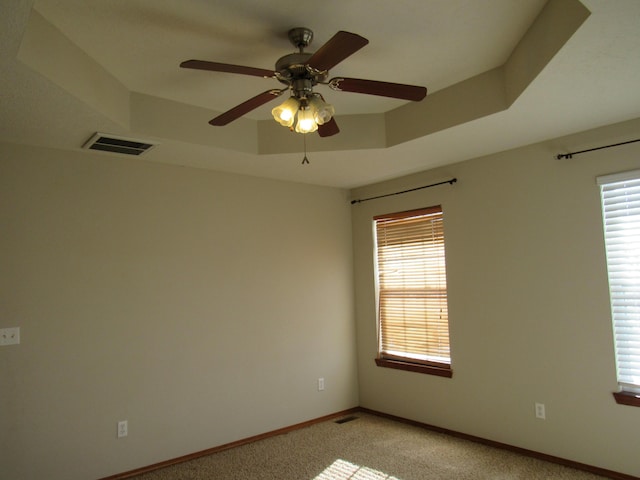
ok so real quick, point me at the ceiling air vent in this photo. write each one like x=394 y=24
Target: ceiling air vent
x=111 y=143
x=346 y=420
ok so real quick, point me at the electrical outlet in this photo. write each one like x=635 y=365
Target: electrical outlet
x=320 y=384
x=123 y=428
x=540 y=411
x=9 y=336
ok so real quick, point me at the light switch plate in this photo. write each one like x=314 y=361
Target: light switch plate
x=9 y=336
x=123 y=428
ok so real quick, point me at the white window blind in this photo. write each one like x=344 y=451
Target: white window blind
x=412 y=287
x=621 y=212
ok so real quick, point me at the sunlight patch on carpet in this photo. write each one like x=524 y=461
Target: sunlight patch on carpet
x=343 y=470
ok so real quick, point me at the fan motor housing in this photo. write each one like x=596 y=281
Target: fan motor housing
x=293 y=67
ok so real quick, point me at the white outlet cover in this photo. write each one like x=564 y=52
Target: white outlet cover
x=9 y=336
x=123 y=428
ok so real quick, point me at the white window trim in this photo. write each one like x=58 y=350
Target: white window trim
x=602 y=181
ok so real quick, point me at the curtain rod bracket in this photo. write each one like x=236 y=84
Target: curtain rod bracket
x=560 y=156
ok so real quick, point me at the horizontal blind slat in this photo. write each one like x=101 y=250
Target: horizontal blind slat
x=621 y=219
x=412 y=285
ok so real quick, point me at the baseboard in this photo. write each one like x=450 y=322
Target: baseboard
x=522 y=451
x=491 y=443
x=227 y=446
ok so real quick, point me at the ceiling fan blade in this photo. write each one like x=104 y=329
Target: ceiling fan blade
x=383 y=89
x=339 y=47
x=226 y=67
x=245 y=107
x=328 y=129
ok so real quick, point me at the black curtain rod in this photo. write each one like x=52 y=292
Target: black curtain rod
x=560 y=156
x=450 y=182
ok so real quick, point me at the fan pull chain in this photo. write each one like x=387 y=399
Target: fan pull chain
x=305 y=159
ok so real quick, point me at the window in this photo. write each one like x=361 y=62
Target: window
x=413 y=321
x=621 y=213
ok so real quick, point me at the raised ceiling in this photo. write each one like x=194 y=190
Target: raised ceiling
x=500 y=74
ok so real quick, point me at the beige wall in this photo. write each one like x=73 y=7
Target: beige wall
x=201 y=307
x=161 y=295
x=528 y=299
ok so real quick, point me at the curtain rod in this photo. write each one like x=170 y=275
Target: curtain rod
x=450 y=182
x=560 y=156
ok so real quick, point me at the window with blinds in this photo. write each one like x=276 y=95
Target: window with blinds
x=621 y=213
x=413 y=321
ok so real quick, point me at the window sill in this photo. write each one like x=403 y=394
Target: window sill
x=414 y=367
x=627 y=398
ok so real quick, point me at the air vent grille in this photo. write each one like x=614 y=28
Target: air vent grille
x=346 y=419
x=115 y=144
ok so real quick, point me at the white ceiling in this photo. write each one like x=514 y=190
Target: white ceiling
x=591 y=81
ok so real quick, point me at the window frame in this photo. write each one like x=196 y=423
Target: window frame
x=400 y=362
x=628 y=393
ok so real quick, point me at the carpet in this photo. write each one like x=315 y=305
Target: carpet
x=365 y=447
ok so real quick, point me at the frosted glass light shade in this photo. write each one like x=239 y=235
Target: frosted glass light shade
x=322 y=111
x=306 y=123
x=285 y=113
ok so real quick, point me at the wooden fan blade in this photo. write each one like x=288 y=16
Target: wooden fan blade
x=328 y=129
x=226 y=67
x=383 y=89
x=245 y=107
x=339 y=47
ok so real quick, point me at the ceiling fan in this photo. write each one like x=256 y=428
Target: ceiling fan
x=306 y=111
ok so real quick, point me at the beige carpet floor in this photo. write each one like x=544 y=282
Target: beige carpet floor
x=367 y=448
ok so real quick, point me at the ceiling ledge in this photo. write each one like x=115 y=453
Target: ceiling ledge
x=552 y=29
x=162 y=118
x=463 y=102
x=45 y=49
x=493 y=91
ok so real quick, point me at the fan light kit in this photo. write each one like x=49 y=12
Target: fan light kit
x=306 y=111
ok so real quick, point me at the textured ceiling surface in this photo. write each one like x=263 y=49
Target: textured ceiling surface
x=59 y=57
